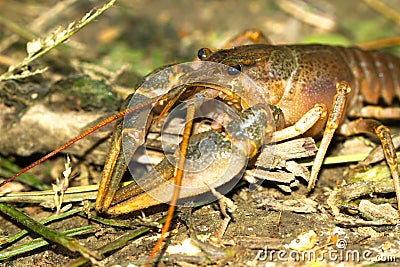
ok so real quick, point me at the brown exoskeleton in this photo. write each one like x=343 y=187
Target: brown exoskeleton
x=306 y=83
x=310 y=88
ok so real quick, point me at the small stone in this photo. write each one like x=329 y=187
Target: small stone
x=382 y=211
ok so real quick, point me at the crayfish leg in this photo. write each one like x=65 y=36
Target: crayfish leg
x=378 y=112
x=383 y=133
x=334 y=119
x=305 y=123
x=253 y=36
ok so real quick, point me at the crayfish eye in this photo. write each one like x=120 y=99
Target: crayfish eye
x=234 y=70
x=203 y=53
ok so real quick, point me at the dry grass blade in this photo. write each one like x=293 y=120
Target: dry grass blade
x=41 y=46
x=72 y=194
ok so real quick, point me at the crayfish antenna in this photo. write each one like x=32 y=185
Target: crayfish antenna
x=178 y=182
x=79 y=137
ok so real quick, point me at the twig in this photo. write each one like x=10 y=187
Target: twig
x=388 y=12
x=58 y=7
x=36 y=25
x=308 y=14
x=346 y=220
x=381 y=43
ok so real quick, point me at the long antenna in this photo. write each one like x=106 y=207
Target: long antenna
x=82 y=135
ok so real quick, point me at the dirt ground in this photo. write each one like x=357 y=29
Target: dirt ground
x=269 y=226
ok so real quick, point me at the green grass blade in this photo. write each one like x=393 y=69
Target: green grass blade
x=118 y=243
x=52 y=218
x=7 y=254
x=51 y=235
x=8 y=169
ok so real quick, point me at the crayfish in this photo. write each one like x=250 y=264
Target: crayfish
x=269 y=94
